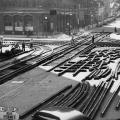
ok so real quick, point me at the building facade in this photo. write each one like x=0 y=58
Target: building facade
x=43 y=17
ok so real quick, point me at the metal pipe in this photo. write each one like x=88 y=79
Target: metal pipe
x=117 y=107
x=96 y=97
x=110 y=101
x=94 y=93
x=25 y=114
x=103 y=95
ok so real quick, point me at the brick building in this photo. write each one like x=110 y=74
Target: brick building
x=41 y=17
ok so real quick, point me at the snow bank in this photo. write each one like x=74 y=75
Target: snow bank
x=64 y=37
x=4 y=49
x=114 y=24
x=83 y=32
x=115 y=36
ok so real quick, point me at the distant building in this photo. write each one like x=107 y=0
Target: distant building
x=43 y=17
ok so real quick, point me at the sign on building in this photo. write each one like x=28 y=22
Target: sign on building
x=8 y=28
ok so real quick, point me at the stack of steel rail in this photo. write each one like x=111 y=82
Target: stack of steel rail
x=82 y=97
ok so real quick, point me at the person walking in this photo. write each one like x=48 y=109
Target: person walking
x=72 y=41
x=115 y=30
x=23 y=46
x=93 y=38
x=1 y=43
x=31 y=43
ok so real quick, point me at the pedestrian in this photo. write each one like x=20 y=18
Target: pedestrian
x=73 y=41
x=31 y=43
x=93 y=39
x=23 y=46
x=115 y=30
x=1 y=43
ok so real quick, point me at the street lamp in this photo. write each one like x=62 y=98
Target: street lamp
x=46 y=25
x=92 y=21
x=45 y=18
x=70 y=23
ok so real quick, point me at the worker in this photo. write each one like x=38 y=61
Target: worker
x=23 y=46
x=115 y=30
x=73 y=41
x=31 y=43
x=1 y=43
x=93 y=39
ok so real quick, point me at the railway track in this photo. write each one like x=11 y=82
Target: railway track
x=16 y=67
x=19 y=66
x=8 y=57
x=63 y=63
x=82 y=96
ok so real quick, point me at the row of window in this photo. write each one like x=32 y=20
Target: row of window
x=28 y=3
x=18 y=20
x=49 y=3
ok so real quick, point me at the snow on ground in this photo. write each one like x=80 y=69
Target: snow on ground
x=82 y=75
x=24 y=55
x=60 y=37
x=8 y=48
x=64 y=37
x=115 y=36
x=116 y=24
x=52 y=46
x=105 y=48
x=83 y=32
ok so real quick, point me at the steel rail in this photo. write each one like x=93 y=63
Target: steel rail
x=68 y=94
x=91 y=98
x=102 y=97
x=10 y=57
x=19 y=62
x=112 y=97
x=52 y=102
x=95 y=71
x=41 y=61
x=76 y=63
x=103 y=73
x=47 y=62
x=71 y=96
x=68 y=59
x=95 y=99
x=117 y=107
x=78 y=95
x=78 y=70
x=106 y=72
x=82 y=105
x=64 y=53
x=36 y=107
x=81 y=97
x=116 y=71
x=96 y=74
x=69 y=47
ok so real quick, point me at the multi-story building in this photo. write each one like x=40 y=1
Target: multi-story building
x=41 y=17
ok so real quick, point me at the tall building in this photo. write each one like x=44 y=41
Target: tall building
x=41 y=17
